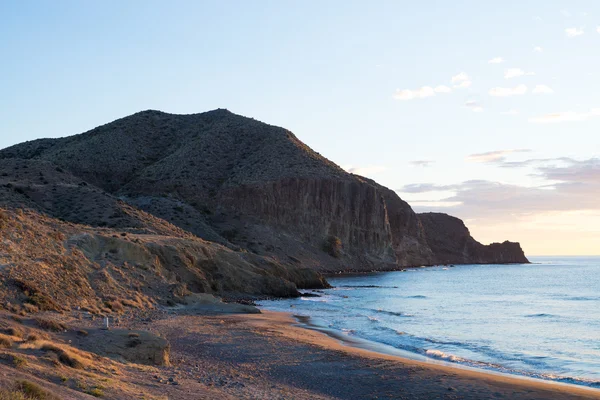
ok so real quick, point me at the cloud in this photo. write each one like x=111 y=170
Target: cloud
x=442 y=89
x=534 y=162
x=494 y=156
x=474 y=105
x=567 y=116
x=366 y=170
x=515 y=73
x=460 y=77
x=565 y=13
x=573 y=32
x=461 y=81
x=496 y=60
x=463 y=85
x=421 y=93
x=574 y=186
x=512 y=111
x=505 y=92
x=598 y=29
x=538 y=49
x=422 y=163
x=542 y=89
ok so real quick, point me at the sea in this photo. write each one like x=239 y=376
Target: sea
x=540 y=320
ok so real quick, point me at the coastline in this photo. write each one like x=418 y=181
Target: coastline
x=281 y=357
x=405 y=355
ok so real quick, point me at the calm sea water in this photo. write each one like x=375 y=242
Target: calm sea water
x=540 y=320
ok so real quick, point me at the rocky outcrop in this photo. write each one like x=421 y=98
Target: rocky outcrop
x=451 y=243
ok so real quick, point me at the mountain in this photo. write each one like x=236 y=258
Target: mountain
x=229 y=182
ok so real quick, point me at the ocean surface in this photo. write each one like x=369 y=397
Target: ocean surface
x=540 y=320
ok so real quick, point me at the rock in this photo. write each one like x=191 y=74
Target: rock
x=451 y=243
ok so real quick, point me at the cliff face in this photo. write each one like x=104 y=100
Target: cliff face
x=249 y=186
x=451 y=243
x=316 y=209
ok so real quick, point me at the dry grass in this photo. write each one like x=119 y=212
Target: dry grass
x=66 y=355
x=14 y=331
x=5 y=342
x=19 y=362
x=51 y=325
x=34 y=391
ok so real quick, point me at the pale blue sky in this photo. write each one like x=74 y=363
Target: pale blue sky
x=329 y=71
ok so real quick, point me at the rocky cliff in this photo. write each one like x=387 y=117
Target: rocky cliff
x=243 y=184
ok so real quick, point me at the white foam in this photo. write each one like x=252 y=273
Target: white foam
x=444 y=356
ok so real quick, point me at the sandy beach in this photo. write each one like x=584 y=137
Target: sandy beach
x=269 y=356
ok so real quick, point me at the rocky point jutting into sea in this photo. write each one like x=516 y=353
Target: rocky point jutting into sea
x=211 y=202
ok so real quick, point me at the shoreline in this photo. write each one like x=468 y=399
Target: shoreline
x=332 y=340
x=405 y=355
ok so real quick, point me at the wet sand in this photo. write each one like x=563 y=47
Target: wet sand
x=270 y=356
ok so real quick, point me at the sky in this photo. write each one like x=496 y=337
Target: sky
x=484 y=110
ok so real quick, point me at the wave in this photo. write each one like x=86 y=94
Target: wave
x=395 y=313
x=437 y=354
x=444 y=356
x=583 y=298
x=418 y=296
x=541 y=315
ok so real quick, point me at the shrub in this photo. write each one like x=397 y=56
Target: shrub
x=34 y=391
x=5 y=343
x=19 y=361
x=96 y=392
x=14 y=331
x=333 y=246
x=51 y=325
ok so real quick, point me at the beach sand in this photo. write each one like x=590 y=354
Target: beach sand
x=269 y=356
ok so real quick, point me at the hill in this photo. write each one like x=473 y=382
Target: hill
x=210 y=202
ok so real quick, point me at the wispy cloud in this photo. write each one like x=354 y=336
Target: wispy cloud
x=496 y=60
x=493 y=156
x=461 y=80
x=505 y=92
x=567 y=116
x=538 y=49
x=598 y=29
x=542 y=89
x=515 y=73
x=572 y=185
x=462 y=76
x=474 y=105
x=573 y=32
x=421 y=93
x=421 y=163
